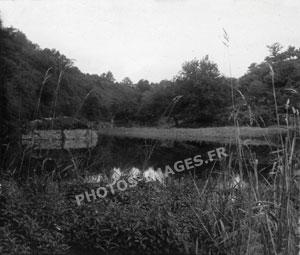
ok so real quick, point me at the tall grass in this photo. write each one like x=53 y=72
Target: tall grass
x=260 y=217
x=149 y=149
x=46 y=78
x=56 y=95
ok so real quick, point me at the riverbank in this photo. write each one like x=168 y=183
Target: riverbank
x=224 y=135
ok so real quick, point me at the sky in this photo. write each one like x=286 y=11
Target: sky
x=151 y=39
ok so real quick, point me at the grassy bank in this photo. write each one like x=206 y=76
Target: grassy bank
x=225 y=135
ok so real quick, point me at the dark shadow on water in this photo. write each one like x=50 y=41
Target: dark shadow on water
x=127 y=152
x=124 y=153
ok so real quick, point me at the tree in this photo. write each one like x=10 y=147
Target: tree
x=143 y=85
x=108 y=76
x=154 y=103
x=274 y=50
x=205 y=91
x=257 y=87
x=23 y=85
x=194 y=70
x=126 y=81
x=91 y=108
x=4 y=116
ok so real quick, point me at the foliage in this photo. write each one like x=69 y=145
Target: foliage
x=127 y=81
x=206 y=94
x=256 y=85
x=39 y=83
x=143 y=86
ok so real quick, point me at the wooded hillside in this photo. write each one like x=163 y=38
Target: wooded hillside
x=40 y=83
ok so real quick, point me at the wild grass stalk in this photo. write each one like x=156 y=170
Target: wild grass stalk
x=56 y=96
x=237 y=135
x=83 y=101
x=149 y=149
x=46 y=78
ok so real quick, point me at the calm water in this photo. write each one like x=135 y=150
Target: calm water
x=108 y=152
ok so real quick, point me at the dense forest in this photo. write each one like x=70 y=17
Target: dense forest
x=38 y=83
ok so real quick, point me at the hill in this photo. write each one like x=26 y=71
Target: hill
x=41 y=83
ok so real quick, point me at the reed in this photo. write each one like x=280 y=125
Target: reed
x=46 y=78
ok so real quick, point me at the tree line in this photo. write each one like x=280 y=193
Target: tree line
x=38 y=83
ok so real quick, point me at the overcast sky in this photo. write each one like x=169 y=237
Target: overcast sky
x=150 y=39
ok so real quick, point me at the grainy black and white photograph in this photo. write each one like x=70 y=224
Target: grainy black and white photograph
x=149 y=127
